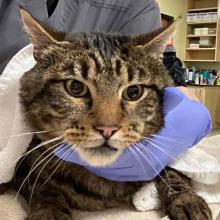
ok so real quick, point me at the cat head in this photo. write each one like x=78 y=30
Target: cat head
x=102 y=92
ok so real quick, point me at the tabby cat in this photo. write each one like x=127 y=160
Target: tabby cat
x=98 y=93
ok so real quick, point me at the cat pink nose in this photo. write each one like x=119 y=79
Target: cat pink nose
x=107 y=131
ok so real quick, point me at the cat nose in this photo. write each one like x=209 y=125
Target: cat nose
x=107 y=132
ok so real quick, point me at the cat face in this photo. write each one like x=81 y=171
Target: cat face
x=101 y=92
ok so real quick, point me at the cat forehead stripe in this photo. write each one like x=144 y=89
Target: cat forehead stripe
x=97 y=59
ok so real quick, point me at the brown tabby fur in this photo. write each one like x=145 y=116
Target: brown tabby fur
x=107 y=65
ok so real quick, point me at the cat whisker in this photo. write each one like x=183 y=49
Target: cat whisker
x=150 y=141
x=64 y=156
x=155 y=157
x=61 y=145
x=133 y=152
x=20 y=162
x=37 y=147
x=28 y=133
x=166 y=138
x=152 y=166
x=70 y=146
x=45 y=152
x=24 y=134
x=164 y=146
x=73 y=148
x=158 y=160
x=31 y=171
x=35 y=182
x=25 y=113
x=159 y=142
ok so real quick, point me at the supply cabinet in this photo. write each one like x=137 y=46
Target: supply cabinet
x=203 y=31
x=210 y=97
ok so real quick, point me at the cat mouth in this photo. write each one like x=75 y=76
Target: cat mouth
x=104 y=148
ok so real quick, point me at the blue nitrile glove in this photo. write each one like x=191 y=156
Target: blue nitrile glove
x=186 y=123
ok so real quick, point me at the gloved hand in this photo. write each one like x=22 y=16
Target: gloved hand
x=186 y=123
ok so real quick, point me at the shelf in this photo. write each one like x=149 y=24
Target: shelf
x=207 y=86
x=203 y=9
x=195 y=36
x=212 y=61
x=211 y=48
x=202 y=22
x=211 y=53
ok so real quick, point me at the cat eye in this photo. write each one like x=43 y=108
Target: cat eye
x=76 y=88
x=133 y=93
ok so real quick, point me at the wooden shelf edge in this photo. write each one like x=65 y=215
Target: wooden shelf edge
x=206 y=86
x=203 y=9
x=201 y=48
x=194 y=36
x=212 y=61
x=202 y=22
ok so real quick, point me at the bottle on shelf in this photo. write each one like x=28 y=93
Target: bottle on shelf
x=217 y=81
x=201 y=77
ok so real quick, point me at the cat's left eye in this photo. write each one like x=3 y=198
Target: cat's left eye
x=133 y=93
x=76 y=88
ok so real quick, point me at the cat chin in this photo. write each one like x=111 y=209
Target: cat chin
x=99 y=159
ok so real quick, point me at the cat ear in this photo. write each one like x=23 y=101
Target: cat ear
x=40 y=36
x=155 y=42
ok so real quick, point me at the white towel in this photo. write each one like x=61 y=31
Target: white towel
x=202 y=168
x=11 y=113
x=196 y=164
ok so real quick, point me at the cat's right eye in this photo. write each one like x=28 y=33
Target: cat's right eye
x=133 y=93
x=76 y=88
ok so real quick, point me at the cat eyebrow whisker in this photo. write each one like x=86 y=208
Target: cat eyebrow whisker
x=144 y=156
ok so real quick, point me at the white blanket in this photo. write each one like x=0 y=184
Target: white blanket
x=203 y=168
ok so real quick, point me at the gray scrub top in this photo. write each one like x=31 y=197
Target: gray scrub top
x=129 y=17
